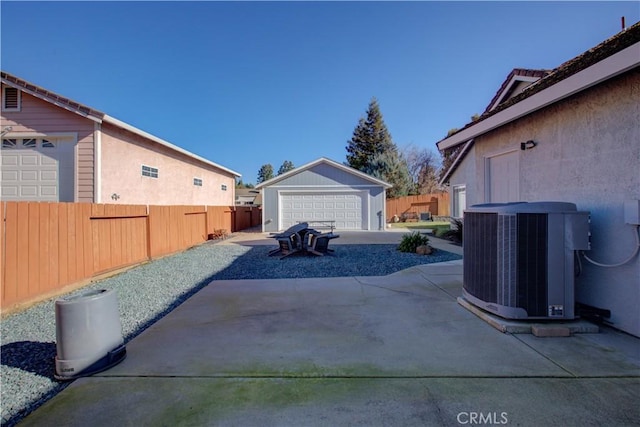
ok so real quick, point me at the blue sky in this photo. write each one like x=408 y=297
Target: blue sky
x=249 y=83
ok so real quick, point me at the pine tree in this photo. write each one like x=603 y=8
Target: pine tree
x=390 y=167
x=265 y=173
x=370 y=137
x=286 y=167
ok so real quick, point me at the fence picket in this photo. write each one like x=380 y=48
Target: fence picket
x=49 y=246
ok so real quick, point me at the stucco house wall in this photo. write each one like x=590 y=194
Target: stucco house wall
x=588 y=153
x=122 y=155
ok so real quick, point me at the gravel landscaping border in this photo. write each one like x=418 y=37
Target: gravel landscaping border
x=148 y=292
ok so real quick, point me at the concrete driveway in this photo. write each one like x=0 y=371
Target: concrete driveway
x=396 y=350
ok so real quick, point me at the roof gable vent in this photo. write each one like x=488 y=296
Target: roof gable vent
x=10 y=99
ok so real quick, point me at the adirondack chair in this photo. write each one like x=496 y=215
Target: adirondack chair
x=319 y=243
x=290 y=241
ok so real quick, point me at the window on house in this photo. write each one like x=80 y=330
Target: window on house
x=10 y=99
x=223 y=187
x=197 y=182
x=459 y=200
x=149 y=171
x=29 y=143
x=9 y=143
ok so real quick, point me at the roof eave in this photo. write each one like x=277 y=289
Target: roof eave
x=309 y=165
x=52 y=98
x=132 y=129
x=456 y=163
x=608 y=68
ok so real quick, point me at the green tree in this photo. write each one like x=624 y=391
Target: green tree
x=390 y=167
x=370 y=137
x=265 y=173
x=285 y=167
x=240 y=184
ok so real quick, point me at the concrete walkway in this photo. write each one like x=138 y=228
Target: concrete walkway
x=395 y=351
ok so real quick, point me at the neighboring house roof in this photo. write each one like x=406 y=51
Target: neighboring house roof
x=96 y=116
x=610 y=58
x=326 y=161
x=249 y=194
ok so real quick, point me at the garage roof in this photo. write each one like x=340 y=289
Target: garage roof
x=326 y=161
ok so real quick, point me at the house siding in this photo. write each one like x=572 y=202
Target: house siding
x=588 y=153
x=41 y=117
x=122 y=156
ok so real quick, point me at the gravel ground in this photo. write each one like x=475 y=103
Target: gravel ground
x=148 y=292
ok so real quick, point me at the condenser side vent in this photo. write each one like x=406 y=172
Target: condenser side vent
x=507 y=259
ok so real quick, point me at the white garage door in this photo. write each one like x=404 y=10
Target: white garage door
x=346 y=209
x=33 y=169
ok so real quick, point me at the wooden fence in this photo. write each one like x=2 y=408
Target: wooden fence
x=437 y=204
x=50 y=248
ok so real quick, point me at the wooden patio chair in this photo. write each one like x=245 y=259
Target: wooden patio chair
x=319 y=243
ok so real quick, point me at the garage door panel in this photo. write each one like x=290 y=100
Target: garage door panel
x=34 y=169
x=9 y=159
x=343 y=208
x=47 y=161
x=9 y=191
x=29 y=175
x=48 y=190
x=28 y=191
x=11 y=176
x=29 y=160
x=48 y=176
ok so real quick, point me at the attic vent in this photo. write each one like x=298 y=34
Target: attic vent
x=10 y=99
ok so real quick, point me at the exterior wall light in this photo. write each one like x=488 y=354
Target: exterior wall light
x=528 y=145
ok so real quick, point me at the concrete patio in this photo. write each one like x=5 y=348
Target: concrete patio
x=395 y=350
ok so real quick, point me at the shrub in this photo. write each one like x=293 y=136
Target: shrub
x=455 y=233
x=410 y=242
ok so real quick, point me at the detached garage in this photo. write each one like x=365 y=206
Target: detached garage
x=324 y=190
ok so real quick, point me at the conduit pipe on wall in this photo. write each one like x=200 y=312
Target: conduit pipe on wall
x=635 y=252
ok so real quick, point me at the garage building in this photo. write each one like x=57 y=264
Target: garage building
x=324 y=190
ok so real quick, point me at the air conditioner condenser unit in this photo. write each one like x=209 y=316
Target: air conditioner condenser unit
x=519 y=258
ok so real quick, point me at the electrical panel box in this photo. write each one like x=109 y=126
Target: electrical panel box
x=632 y=212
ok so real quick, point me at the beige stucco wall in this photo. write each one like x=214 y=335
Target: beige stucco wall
x=122 y=156
x=40 y=117
x=588 y=153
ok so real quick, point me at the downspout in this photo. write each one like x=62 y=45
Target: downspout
x=97 y=162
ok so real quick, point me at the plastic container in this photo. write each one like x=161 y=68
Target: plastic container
x=88 y=334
